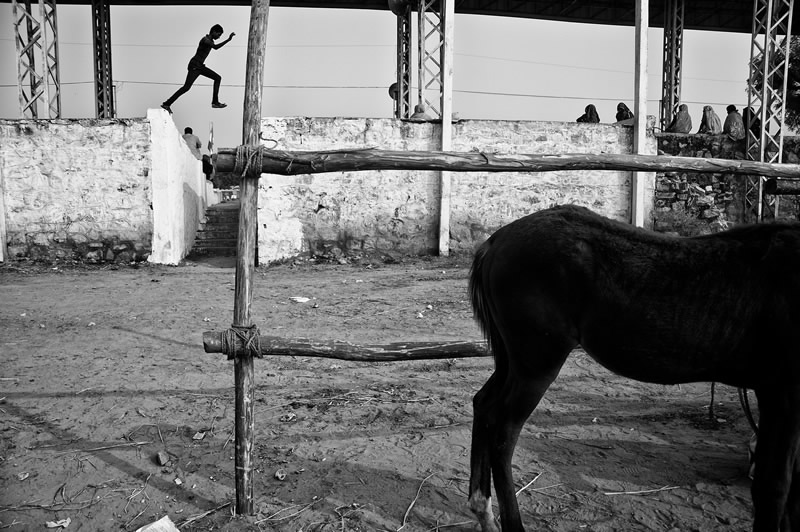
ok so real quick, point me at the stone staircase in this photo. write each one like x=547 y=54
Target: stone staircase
x=218 y=231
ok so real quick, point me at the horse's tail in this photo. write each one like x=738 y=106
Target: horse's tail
x=481 y=310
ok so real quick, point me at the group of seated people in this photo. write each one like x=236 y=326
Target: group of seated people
x=590 y=114
x=734 y=125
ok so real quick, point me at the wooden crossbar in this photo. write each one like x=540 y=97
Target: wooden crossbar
x=314 y=162
x=234 y=346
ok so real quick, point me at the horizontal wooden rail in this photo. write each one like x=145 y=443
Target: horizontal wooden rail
x=782 y=187
x=216 y=342
x=298 y=162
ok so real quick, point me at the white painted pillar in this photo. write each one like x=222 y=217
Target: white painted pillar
x=3 y=241
x=638 y=207
x=448 y=20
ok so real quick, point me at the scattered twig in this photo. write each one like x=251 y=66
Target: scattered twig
x=132 y=444
x=439 y=527
x=285 y=517
x=89 y=388
x=528 y=485
x=230 y=437
x=56 y=507
x=410 y=506
x=641 y=492
x=49 y=445
x=204 y=514
x=136 y=491
x=137 y=515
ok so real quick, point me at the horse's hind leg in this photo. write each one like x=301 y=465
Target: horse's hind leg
x=775 y=498
x=480 y=486
x=501 y=408
x=791 y=520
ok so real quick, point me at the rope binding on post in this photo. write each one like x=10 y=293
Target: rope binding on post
x=249 y=337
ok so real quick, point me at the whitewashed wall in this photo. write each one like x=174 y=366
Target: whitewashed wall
x=98 y=190
x=179 y=191
x=397 y=211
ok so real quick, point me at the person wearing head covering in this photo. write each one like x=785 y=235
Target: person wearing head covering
x=590 y=115
x=734 y=125
x=623 y=113
x=710 y=124
x=682 y=123
x=749 y=116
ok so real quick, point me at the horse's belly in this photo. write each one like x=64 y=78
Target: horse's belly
x=665 y=361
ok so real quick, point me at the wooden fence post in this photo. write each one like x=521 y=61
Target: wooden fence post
x=243 y=364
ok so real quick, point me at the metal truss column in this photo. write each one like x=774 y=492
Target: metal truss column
x=767 y=85
x=673 y=60
x=430 y=40
x=402 y=107
x=38 y=36
x=103 y=82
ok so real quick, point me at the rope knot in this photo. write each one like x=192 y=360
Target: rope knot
x=249 y=337
x=249 y=160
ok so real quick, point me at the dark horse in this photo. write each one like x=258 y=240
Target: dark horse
x=655 y=308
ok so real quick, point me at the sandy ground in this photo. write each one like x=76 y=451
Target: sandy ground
x=103 y=369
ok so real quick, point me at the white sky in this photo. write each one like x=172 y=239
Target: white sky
x=505 y=68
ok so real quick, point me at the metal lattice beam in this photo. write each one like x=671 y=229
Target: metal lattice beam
x=431 y=44
x=769 y=68
x=47 y=10
x=673 y=59
x=103 y=81
x=38 y=82
x=403 y=101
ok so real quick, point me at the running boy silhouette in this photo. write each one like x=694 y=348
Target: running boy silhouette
x=198 y=68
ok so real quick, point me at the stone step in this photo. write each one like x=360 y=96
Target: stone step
x=219 y=231
x=217 y=218
x=214 y=251
x=213 y=241
x=214 y=232
x=234 y=226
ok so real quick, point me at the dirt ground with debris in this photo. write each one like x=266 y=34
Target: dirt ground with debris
x=112 y=416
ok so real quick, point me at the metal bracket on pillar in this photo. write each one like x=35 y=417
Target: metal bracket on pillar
x=103 y=81
x=767 y=85
x=34 y=36
x=673 y=60
x=402 y=104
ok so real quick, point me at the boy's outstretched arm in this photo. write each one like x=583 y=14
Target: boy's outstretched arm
x=223 y=43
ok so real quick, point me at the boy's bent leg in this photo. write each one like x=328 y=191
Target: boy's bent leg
x=191 y=77
x=217 y=79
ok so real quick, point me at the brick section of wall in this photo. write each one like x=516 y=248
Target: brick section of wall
x=690 y=203
x=77 y=189
x=397 y=211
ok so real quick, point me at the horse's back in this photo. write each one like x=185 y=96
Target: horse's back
x=646 y=305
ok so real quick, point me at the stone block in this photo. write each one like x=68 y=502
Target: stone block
x=93 y=257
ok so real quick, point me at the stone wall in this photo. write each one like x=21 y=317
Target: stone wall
x=99 y=190
x=397 y=211
x=76 y=189
x=690 y=203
